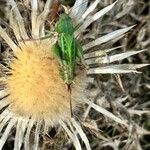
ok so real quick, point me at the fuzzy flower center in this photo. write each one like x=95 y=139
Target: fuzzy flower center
x=35 y=86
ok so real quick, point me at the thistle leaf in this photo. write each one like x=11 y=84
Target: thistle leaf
x=78 y=9
x=89 y=10
x=93 y=18
x=99 y=53
x=106 y=112
x=113 y=58
x=112 y=69
x=106 y=38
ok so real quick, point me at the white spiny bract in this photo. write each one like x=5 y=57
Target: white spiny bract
x=35 y=97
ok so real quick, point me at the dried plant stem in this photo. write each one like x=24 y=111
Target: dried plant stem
x=42 y=17
x=37 y=132
x=71 y=135
x=3 y=103
x=6 y=133
x=3 y=115
x=20 y=130
x=27 y=136
x=106 y=38
x=18 y=137
x=93 y=18
x=81 y=133
x=3 y=93
x=4 y=35
x=34 y=14
x=89 y=10
x=19 y=19
x=78 y=9
x=106 y=113
x=15 y=27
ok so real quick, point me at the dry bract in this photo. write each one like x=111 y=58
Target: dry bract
x=35 y=96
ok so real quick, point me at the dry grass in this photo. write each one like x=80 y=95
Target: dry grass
x=127 y=96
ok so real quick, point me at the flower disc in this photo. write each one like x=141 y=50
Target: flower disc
x=35 y=86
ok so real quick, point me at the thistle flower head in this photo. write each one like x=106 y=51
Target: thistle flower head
x=35 y=86
x=35 y=95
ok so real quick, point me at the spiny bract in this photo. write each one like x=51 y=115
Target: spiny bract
x=35 y=97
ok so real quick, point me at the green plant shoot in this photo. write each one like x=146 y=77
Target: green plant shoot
x=67 y=49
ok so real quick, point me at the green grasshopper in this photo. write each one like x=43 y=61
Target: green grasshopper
x=67 y=50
